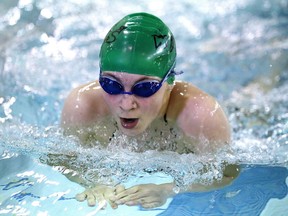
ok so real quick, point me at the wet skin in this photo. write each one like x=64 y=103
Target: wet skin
x=191 y=111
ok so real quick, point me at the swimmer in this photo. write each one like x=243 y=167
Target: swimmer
x=137 y=94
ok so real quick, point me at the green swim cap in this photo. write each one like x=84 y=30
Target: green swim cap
x=140 y=43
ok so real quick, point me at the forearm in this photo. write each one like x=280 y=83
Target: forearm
x=216 y=184
x=229 y=174
x=172 y=190
x=75 y=177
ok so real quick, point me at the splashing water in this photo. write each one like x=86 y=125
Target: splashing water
x=48 y=51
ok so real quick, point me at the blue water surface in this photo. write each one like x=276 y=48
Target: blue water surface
x=247 y=195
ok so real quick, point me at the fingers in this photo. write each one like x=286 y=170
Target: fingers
x=135 y=202
x=112 y=204
x=145 y=203
x=119 y=189
x=101 y=195
x=126 y=193
x=102 y=203
x=86 y=195
x=129 y=197
x=151 y=205
x=81 y=197
x=91 y=199
x=145 y=195
x=137 y=195
x=152 y=202
x=110 y=197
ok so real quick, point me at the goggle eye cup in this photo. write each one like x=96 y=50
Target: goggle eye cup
x=111 y=86
x=142 y=89
x=146 y=89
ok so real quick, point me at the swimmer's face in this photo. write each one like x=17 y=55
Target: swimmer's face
x=133 y=113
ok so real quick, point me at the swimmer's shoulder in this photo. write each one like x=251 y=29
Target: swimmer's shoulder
x=186 y=89
x=197 y=113
x=84 y=105
x=185 y=96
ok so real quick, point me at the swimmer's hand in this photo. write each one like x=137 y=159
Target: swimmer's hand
x=100 y=194
x=146 y=195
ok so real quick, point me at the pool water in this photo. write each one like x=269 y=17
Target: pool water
x=29 y=188
x=234 y=50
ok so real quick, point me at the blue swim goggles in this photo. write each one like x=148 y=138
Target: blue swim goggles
x=141 y=89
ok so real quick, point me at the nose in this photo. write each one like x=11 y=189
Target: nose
x=128 y=102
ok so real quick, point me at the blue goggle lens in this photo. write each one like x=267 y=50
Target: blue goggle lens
x=141 y=89
x=146 y=89
x=111 y=86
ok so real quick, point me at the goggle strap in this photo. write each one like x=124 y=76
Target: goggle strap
x=176 y=73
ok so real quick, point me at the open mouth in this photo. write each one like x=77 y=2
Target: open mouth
x=129 y=123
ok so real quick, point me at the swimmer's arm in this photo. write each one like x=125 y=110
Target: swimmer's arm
x=153 y=195
x=197 y=187
x=64 y=164
x=75 y=177
x=93 y=193
x=230 y=172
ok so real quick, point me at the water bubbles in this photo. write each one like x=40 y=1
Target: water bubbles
x=46 y=13
x=13 y=16
x=259 y=125
x=109 y=165
x=36 y=76
x=6 y=110
x=176 y=189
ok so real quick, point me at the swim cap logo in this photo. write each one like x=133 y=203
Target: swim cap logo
x=113 y=35
x=159 y=39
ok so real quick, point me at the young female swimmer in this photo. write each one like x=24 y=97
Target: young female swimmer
x=136 y=92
